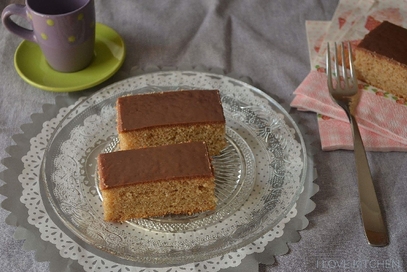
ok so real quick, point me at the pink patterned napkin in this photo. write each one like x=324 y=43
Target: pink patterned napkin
x=380 y=115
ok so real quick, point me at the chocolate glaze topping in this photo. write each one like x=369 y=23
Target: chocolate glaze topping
x=151 y=164
x=168 y=108
x=388 y=40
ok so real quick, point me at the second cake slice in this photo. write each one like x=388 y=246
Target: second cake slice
x=156 y=119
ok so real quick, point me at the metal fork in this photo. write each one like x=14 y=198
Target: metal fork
x=343 y=93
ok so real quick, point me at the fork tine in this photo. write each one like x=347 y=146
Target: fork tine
x=328 y=67
x=351 y=67
x=336 y=66
x=344 y=70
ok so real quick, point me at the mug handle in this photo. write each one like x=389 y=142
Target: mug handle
x=21 y=11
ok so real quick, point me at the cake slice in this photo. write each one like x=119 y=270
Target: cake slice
x=155 y=181
x=381 y=58
x=156 y=119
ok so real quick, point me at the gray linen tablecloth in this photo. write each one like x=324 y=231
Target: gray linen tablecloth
x=265 y=41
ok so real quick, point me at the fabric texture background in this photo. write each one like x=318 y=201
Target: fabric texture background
x=265 y=41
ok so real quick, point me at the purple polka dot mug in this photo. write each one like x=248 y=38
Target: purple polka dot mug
x=64 y=30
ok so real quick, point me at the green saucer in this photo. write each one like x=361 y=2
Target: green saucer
x=109 y=56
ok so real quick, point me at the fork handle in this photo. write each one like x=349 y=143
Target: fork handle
x=375 y=229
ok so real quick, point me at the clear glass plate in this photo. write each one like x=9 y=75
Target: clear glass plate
x=259 y=176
